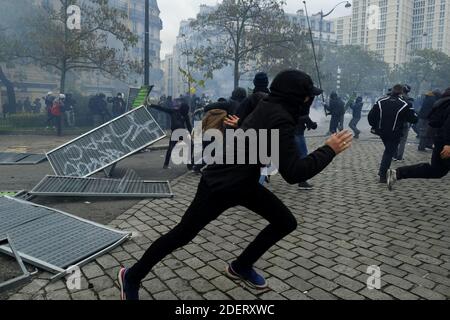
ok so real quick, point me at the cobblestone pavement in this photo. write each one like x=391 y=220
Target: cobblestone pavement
x=347 y=223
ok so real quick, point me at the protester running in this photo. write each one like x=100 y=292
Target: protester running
x=224 y=186
x=387 y=118
x=439 y=167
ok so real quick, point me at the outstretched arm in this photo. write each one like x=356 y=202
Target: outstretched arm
x=295 y=169
x=163 y=109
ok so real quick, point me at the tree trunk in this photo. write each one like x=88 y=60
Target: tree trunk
x=9 y=91
x=62 y=83
x=237 y=76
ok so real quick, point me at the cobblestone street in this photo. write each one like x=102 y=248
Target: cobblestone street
x=347 y=223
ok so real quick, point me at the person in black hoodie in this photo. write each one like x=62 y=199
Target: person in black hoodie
x=357 y=110
x=426 y=139
x=336 y=108
x=439 y=167
x=237 y=96
x=304 y=122
x=387 y=119
x=179 y=119
x=406 y=125
x=225 y=186
x=261 y=90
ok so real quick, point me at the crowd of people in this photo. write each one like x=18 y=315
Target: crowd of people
x=285 y=106
x=25 y=106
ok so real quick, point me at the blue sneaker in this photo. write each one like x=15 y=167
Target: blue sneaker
x=249 y=276
x=127 y=290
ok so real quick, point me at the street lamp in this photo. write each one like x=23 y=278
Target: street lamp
x=322 y=15
x=147 y=44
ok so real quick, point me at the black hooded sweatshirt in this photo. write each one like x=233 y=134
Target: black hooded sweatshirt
x=179 y=116
x=442 y=110
x=279 y=111
x=250 y=103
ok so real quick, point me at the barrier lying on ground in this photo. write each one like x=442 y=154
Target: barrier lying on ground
x=106 y=145
x=51 y=239
x=21 y=158
x=101 y=187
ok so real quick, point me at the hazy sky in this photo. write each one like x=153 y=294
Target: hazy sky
x=173 y=11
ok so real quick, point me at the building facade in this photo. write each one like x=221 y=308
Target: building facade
x=328 y=26
x=395 y=28
x=343 y=30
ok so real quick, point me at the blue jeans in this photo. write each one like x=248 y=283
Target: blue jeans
x=301 y=145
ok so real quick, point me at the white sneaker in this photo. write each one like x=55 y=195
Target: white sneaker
x=391 y=178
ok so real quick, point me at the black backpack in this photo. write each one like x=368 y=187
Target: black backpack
x=440 y=113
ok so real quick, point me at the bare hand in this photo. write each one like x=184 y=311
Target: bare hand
x=232 y=121
x=340 y=142
x=445 y=154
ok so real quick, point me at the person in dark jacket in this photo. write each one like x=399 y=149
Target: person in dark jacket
x=225 y=186
x=5 y=110
x=440 y=160
x=336 y=108
x=356 y=110
x=406 y=125
x=27 y=105
x=99 y=109
x=304 y=123
x=238 y=95
x=261 y=90
x=387 y=119
x=426 y=139
x=37 y=105
x=179 y=119
x=118 y=105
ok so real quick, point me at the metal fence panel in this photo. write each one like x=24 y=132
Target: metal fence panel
x=21 y=158
x=129 y=186
x=52 y=239
x=7 y=158
x=106 y=145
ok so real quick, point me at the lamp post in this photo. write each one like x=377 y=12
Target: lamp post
x=322 y=15
x=147 y=44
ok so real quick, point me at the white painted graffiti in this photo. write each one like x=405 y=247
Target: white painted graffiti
x=112 y=142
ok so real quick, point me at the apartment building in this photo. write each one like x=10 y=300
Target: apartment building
x=395 y=28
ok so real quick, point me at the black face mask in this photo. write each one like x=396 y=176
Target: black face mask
x=306 y=106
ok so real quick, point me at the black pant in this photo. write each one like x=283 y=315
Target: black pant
x=390 y=151
x=335 y=123
x=172 y=145
x=426 y=137
x=209 y=205
x=341 y=122
x=438 y=168
x=353 y=125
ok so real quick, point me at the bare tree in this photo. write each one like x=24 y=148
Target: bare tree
x=54 y=45
x=234 y=33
